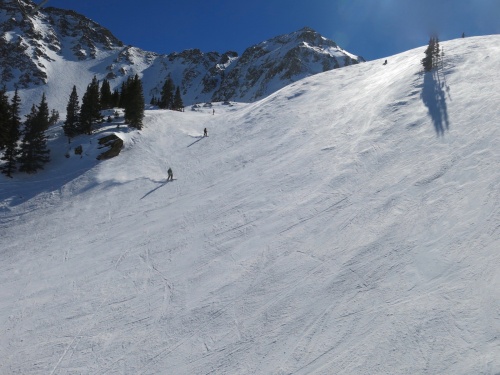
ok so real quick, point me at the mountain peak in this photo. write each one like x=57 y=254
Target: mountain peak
x=36 y=46
x=279 y=61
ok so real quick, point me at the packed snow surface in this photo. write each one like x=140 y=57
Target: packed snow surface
x=347 y=224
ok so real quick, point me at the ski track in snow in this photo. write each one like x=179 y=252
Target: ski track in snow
x=347 y=224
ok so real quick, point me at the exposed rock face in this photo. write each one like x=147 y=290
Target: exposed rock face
x=115 y=145
x=87 y=36
x=32 y=46
x=273 y=64
x=28 y=42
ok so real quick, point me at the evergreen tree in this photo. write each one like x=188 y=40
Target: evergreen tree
x=11 y=148
x=124 y=92
x=167 y=94
x=431 y=59
x=106 y=95
x=436 y=53
x=54 y=117
x=442 y=58
x=4 y=118
x=178 y=104
x=115 y=98
x=90 y=110
x=27 y=154
x=43 y=115
x=72 y=126
x=134 y=109
x=34 y=151
x=427 y=60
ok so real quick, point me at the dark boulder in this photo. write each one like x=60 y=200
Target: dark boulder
x=114 y=143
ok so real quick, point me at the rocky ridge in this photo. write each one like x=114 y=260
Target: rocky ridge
x=31 y=46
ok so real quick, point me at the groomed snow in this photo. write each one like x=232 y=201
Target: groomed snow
x=347 y=224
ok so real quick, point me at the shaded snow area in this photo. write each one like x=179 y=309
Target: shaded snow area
x=347 y=224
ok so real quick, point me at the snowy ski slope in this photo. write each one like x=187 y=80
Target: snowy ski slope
x=347 y=224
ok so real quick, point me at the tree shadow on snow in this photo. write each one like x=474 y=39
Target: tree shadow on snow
x=52 y=182
x=434 y=98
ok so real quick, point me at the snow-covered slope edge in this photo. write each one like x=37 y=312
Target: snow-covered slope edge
x=347 y=224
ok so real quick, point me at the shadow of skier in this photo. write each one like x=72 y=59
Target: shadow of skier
x=163 y=183
x=200 y=138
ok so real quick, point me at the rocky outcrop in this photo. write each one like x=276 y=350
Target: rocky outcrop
x=275 y=63
x=114 y=144
x=26 y=45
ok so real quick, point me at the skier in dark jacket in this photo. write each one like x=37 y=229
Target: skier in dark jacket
x=170 y=174
x=205 y=132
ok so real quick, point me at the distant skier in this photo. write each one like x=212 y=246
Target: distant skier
x=385 y=62
x=463 y=35
x=170 y=174
x=213 y=111
x=205 y=132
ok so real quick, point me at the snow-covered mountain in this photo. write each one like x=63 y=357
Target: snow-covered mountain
x=347 y=224
x=30 y=43
x=36 y=49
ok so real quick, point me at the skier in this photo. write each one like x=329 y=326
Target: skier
x=205 y=132
x=170 y=174
x=385 y=62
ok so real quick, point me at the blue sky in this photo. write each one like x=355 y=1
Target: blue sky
x=370 y=28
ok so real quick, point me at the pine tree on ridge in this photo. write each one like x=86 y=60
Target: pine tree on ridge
x=13 y=133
